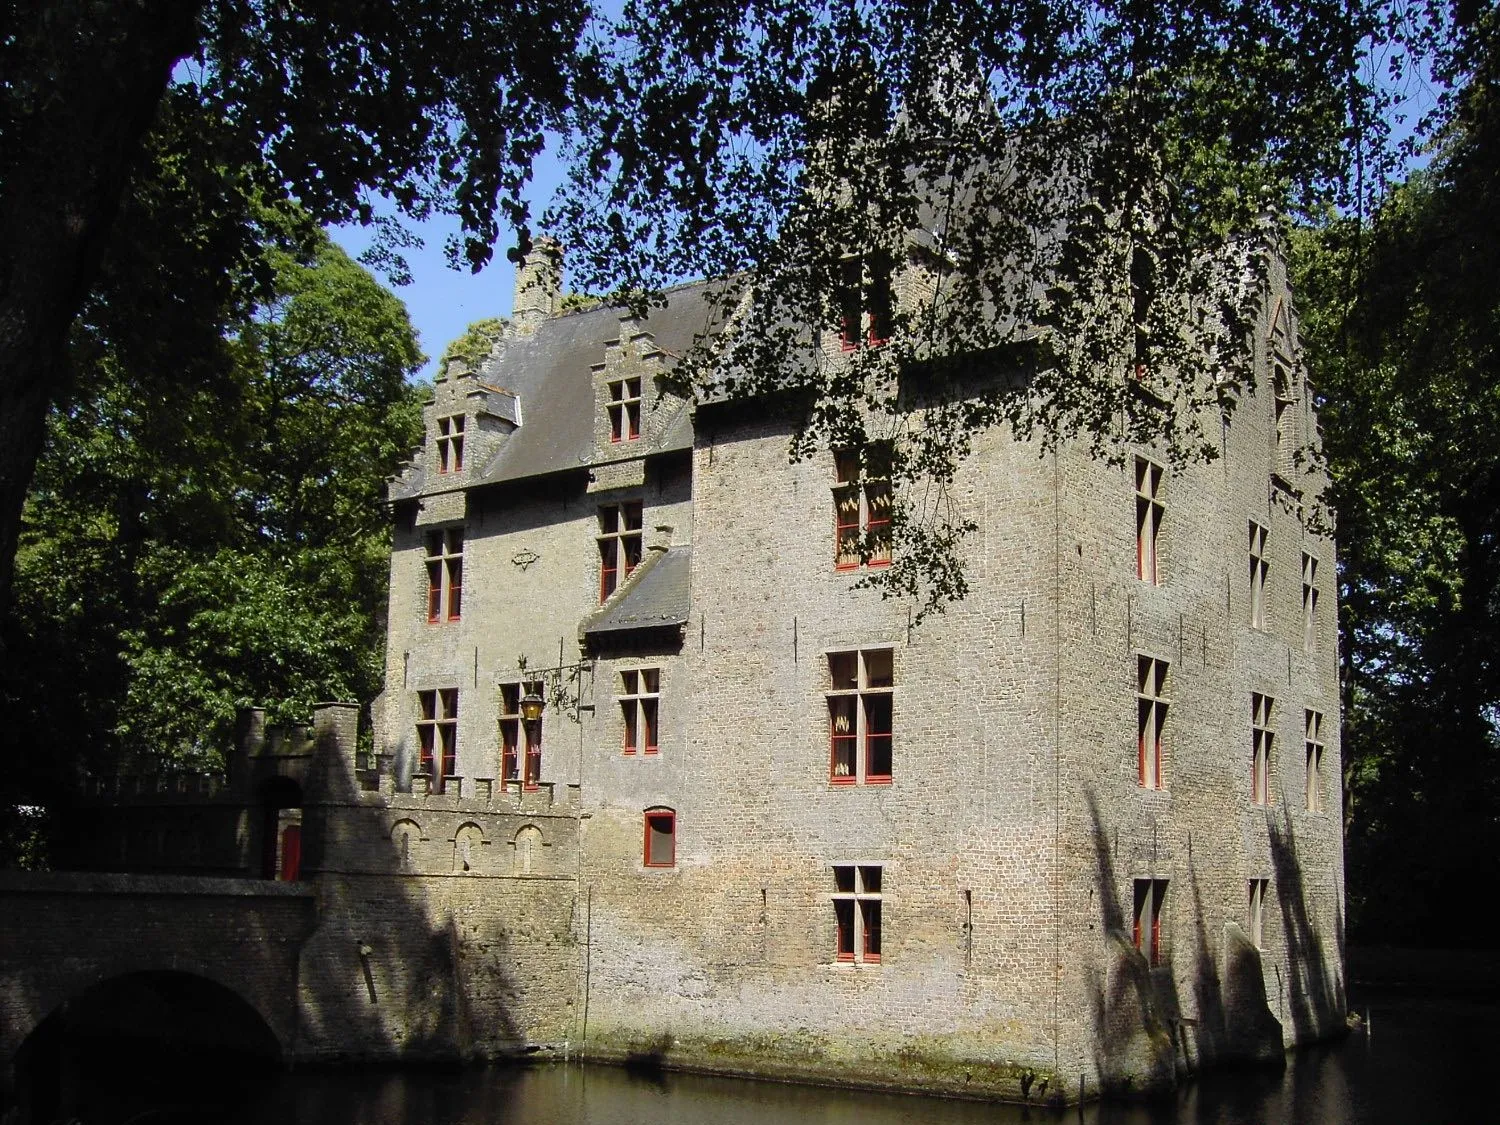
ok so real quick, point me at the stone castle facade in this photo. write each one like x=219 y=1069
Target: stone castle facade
x=1080 y=832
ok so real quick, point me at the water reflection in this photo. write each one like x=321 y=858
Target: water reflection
x=1424 y=1061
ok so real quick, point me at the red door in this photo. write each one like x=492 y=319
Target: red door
x=291 y=853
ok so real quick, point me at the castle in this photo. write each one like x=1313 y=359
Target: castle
x=655 y=777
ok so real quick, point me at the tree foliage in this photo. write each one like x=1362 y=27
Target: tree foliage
x=473 y=347
x=1111 y=149
x=1086 y=185
x=1402 y=325
x=196 y=544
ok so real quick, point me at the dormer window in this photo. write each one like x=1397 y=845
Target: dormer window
x=625 y=409
x=864 y=302
x=450 y=444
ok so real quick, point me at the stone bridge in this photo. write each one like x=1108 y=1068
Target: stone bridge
x=218 y=956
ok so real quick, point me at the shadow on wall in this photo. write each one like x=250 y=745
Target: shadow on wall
x=412 y=960
x=396 y=962
x=1142 y=1041
x=1315 y=1000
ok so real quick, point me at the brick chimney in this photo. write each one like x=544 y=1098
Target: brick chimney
x=538 y=286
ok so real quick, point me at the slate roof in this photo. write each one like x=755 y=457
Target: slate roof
x=550 y=373
x=658 y=596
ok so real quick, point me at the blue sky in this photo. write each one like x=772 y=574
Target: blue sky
x=442 y=301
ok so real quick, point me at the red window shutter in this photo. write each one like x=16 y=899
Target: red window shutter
x=843 y=918
x=533 y=760
x=508 y=739
x=648 y=720
x=1156 y=931
x=870 y=917
x=628 y=707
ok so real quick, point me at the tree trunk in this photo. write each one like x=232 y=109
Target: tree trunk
x=82 y=85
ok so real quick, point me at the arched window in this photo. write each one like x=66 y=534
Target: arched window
x=661 y=838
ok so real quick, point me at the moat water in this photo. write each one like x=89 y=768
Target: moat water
x=1421 y=1059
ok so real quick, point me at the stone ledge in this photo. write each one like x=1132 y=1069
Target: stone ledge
x=101 y=883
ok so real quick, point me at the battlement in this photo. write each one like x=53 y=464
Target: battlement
x=156 y=788
x=477 y=795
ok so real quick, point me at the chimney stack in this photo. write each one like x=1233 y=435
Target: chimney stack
x=538 y=286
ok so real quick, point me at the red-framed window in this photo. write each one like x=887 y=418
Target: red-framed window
x=619 y=545
x=625 y=409
x=1150 y=906
x=1309 y=603
x=445 y=574
x=862 y=508
x=857 y=900
x=1313 y=744
x=640 y=702
x=1262 y=738
x=1260 y=568
x=1151 y=720
x=1142 y=285
x=450 y=444
x=1148 y=514
x=1255 y=914
x=660 y=849
x=520 y=741
x=864 y=301
x=437 y=734
x=861 y=716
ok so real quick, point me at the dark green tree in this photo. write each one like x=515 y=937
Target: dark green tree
x=195 y=544
x=1402 y=326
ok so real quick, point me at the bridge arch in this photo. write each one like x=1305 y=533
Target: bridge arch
x=141 y=1040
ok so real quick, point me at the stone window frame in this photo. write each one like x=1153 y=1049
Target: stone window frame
x=1262 y=746
x=621 y=540
x=640 y=710
x=624 y=408
x=858 y=900
x=450 y=444
x=437 y=735
x=445 y=574
x=1148 y=519
x=659 y=827
x=1310 y=598
x=1153 y=706
x=1313 y=747
x=1260 y=571
x=516 y=765
x=861 y=715
x=1149 y=906
x=862 y=507
x=1255 y=914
